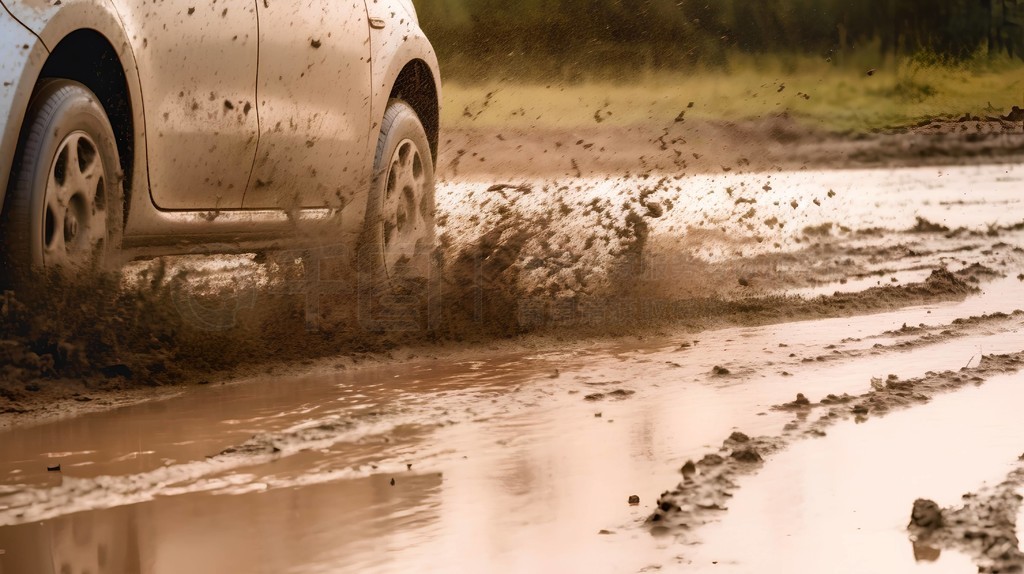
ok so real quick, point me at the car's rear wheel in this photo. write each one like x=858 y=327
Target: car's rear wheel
x=63 y=205
x=398 y=241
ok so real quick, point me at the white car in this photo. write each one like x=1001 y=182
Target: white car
x=134 y=128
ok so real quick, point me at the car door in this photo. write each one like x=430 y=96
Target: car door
x=197 y=68
x=314 y=104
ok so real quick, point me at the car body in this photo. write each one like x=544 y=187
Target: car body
x=240 y=125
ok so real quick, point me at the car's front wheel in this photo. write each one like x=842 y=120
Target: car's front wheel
x=62 y=207
x=399 y=236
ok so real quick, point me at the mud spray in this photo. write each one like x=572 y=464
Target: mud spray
x=574 y=258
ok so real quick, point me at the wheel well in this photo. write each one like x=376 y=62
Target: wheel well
x=86 y=56
x=415 y=85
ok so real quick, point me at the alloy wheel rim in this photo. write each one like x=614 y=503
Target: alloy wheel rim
x=406 y=226
x=74 y=204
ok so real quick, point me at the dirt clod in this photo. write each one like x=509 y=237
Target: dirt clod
x=711 y=460
x=984 y=527
x=926 y=514
x=738 y=437
x=621 y=394
x=800 y=403
x=748 y=455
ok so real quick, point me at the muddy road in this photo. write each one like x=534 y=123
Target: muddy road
x=776 y=365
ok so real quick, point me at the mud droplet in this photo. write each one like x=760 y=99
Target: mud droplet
x=634 y=500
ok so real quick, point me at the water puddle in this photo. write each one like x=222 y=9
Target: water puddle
x=525 y=461
x=497 y=460
x=842 y=504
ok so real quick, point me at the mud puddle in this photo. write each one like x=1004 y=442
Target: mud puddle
x=604 y=256
x=527 y=458
x=842 y=504
x=524 y=460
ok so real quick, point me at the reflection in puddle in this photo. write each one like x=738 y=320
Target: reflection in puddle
x=494 y=464
x=494 y=461
x=926 y=553
x=348 y=523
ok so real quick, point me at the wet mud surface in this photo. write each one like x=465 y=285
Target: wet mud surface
x=616 y=256
x=601 y=340
x=709 y=483
x=697 y=146
x=984 y=526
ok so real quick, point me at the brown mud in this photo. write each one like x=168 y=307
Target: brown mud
x=561 y=259
x=567 y=405
x=709 y=483
x=984 y=527
x=70 y=361
x=702 y=146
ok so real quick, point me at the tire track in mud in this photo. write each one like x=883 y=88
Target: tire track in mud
x=924 y=346
x=708 y=483
x=911 y=338
x=984 y=527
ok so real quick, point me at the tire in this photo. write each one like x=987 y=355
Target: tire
x=63 y=207
x=398 y=240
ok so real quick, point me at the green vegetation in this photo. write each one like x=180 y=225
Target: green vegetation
x=846 y=65
x=568 y=37
x=811 y=91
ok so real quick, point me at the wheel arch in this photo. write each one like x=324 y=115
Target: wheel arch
x=416 y=85
x=87 y=57
x=405 y=66
x=84 y=41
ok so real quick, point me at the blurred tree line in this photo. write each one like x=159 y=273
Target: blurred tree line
x=679 y=33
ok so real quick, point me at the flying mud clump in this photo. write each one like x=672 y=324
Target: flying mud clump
x=534 y=256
